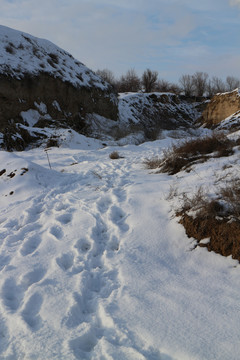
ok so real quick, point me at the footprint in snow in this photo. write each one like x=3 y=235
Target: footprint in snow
x=33 y=213
x=33 y=277
x=79 y=312
x=117 y=216
x=82 y=246
x=65 y=261
x=56 y=231
x=30 y=313
x=60 y=206
x=30 y=245
x=12 y=294
x=83 y=344
x=65 y=218
x=103 y=204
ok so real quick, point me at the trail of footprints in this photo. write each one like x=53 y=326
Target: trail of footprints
x=85 y=259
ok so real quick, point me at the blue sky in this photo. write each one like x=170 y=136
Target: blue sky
x=170 y=36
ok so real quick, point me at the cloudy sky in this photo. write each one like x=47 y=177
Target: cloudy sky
x=174 y=37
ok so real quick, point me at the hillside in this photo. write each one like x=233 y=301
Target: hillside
x=42 y=84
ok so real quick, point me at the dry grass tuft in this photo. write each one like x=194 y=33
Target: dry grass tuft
x=114 y=155
x=217 y=219
x=181 y=156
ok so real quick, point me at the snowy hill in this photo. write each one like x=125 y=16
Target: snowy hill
x=43 y=85
x=22 y=54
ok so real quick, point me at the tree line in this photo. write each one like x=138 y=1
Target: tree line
x=199 y=84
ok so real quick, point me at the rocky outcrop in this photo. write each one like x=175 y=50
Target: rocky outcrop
x=152 y=113
x=220 y=107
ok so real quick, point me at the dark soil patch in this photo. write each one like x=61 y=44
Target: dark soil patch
x=224 y=234
x=24 y=170
x=12 y=174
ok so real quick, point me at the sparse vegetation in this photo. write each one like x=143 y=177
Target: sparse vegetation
x=52 y=141
x=54 y=58
x=182 y=156
x=10 y=49
x=114 y=155
x=217 y=219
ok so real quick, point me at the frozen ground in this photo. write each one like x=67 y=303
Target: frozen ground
x=94 y=266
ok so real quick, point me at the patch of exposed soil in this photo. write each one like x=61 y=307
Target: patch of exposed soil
x=224 y=234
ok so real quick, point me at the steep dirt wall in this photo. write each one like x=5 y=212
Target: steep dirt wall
x=220 y=107
x=20 y=95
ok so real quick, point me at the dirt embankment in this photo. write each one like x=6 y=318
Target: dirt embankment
x=63 y=101
x=220 y=107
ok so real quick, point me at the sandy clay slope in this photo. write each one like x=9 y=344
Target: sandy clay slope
x=93 y=266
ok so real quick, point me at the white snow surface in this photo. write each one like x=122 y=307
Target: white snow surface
x=21 y=53
x=95 y=266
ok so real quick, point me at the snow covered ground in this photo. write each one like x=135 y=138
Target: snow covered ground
x=93 y=265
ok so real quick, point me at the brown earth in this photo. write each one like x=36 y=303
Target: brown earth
x=75 y=102
x=224 y=234
x=220 y=107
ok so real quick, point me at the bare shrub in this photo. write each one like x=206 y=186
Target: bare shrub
x=181 y=156
x=114 y=155
x=54 y=58
x=153 y=163
x=230 y=194
x=10 y=49
x=52 y=142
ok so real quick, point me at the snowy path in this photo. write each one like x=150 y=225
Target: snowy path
x=93 y=267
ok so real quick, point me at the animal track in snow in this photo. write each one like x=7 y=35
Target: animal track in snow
x=30 y=245
x=30 y=313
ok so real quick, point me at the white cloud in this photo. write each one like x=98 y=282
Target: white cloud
x=235 y=2
x=122 y=34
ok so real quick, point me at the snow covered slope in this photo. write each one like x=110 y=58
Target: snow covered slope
x=22 y=54
x=39 y=82
x=94 y=266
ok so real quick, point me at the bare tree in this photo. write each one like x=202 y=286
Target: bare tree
x=129 y=82
x=107 y=75
x=218 y=85
x=200 y=83
x=165 y=86
x=149 y=80
x=187 y=84
x=232 y=83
